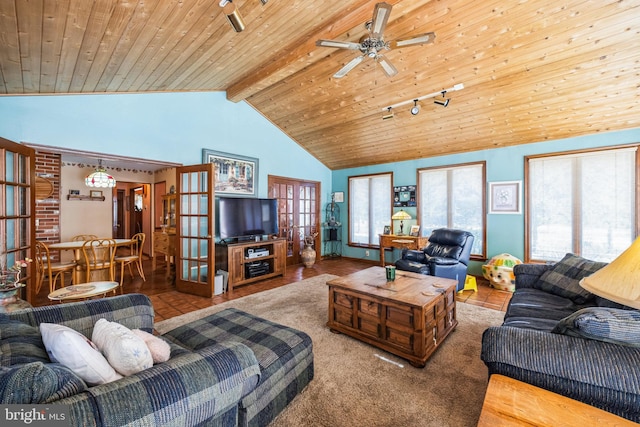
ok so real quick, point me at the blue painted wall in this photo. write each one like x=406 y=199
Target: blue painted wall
x=176 y=126
x=172 y=127
x=505 y=233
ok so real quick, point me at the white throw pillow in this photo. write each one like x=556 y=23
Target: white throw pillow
x=159 y=348
x=127 y=353
x=75 y=351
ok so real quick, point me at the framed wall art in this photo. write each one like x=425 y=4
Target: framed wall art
x=505 y=197
x=404 y=196
x=235 y=175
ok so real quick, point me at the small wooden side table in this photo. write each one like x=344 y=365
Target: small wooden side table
x=401 y=242
x=510 y=402
x=82 y=291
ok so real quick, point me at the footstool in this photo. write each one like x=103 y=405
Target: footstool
x=285 y=356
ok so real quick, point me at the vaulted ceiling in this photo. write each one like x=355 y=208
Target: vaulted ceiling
x=532 y=70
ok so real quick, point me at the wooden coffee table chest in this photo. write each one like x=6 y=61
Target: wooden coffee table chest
x=409 y=317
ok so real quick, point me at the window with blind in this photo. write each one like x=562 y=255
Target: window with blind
x=369 y=208
x=453 y=197
x=583 y=203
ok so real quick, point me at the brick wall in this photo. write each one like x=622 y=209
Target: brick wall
x=48 y=210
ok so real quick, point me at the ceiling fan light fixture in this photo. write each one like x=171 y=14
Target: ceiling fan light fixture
x=233 y=15
x=416 y=108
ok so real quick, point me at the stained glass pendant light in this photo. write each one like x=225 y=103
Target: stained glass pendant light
x=100 y=178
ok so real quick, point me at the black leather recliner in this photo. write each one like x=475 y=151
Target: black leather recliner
x=446 y=255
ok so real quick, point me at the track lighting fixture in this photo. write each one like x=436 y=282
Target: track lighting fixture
x=416 y=109
x=389 y=114
x=444 y=101
x=233 y=15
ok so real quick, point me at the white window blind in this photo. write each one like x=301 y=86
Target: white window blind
x=369 y=207
x=453 y=197
x=582 y=203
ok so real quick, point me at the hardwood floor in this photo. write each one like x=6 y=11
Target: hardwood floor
x=168 y=302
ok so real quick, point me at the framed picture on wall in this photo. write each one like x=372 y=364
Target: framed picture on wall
x=234 y=175
x=505 y=197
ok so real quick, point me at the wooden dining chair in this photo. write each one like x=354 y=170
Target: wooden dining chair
x=51 y=270
x=98 y=255
x=83 y=237
x=134 y=257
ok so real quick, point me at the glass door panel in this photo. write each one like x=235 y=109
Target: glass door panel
x=17 y=207
x=195 y=219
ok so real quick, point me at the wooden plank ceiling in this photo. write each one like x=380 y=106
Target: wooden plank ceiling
x=532 y=70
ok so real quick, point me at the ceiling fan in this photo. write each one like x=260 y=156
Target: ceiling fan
x=374 y=43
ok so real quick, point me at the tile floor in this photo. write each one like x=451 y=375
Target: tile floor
x=168 y=302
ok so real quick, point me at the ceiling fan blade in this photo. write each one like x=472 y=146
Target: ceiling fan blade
x=387 y=66
x=411 y=41
x=380 y=17
x=338 y=44
x=350 y=66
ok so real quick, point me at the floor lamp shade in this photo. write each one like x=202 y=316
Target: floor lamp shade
x=619 y=280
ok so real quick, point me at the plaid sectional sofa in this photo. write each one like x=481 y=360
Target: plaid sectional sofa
x=228 y=369
x=560 y=337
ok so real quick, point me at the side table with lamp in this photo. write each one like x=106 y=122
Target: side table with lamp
x=400 y=240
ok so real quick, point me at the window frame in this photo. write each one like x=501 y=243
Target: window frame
x=527 y=193
x=483 y=164
x=350 y=242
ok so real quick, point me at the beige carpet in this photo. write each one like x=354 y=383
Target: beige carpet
x=352 y=386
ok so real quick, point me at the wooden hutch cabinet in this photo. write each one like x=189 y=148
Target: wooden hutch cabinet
x=164 y=242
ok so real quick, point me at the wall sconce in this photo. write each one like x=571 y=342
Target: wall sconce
x=233 y=15
x=389 y=114
x=415 y=109
x=444 y=101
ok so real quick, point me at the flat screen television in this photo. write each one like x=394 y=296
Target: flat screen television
x=242 y=218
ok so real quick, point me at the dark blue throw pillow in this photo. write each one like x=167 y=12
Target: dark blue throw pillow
x=20 y=343
x=38 y=382
x=607 y=324
x=564 y=278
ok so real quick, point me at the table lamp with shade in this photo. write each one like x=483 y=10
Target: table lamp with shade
x=401 y=215
x=618 y=281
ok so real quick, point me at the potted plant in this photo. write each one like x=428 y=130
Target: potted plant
x=10 y=281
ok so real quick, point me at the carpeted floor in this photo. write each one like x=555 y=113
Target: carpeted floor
x=355 y=387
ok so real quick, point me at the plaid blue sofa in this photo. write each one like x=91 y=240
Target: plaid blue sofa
x=559 y=337
x=228 y=369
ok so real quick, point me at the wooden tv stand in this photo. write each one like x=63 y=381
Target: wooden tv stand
x=235 y=259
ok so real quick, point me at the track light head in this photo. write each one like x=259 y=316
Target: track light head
x=416 y=108
x=389 y=114
x=444 y=101
x=233 y=15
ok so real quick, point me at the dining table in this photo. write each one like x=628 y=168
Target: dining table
x=76 y=247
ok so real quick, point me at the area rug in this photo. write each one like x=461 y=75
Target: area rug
x=356 y=384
